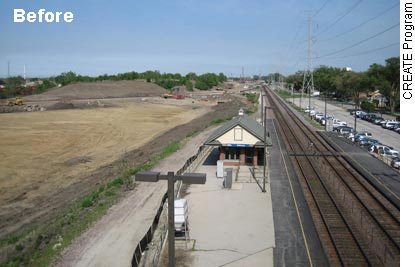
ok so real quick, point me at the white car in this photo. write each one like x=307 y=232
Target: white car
x=390 y=124
x=376 y=148
x=319 y=116
x=337 y=123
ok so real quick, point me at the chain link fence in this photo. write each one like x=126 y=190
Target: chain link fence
x=149 y=249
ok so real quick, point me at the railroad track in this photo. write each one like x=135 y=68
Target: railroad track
x=357 y=225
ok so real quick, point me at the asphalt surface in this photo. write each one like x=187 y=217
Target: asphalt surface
x=296 y=239
x=381 y=176
x=341 y=111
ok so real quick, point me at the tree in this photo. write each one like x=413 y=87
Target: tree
x=367 y=106
x=296 y=80
x=201 y=85
x=189 y=85
x=14 y=82
x=386 y=80
x=324 y=78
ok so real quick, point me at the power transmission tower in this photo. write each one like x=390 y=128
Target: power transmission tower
x=308 y=81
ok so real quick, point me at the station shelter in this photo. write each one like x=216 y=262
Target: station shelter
x=240 y=141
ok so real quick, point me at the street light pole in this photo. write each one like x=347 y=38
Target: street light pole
x=265 y=147
x=170 y=197
x=309 y=102
x=187 y=178
x=262 y=108
x=325 y=110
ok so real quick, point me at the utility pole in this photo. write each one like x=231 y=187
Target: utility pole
x=308 y=81
x=8 y=69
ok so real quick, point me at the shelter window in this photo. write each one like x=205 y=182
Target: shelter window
x=238 y=134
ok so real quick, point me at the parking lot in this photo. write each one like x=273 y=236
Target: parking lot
x=338 y=111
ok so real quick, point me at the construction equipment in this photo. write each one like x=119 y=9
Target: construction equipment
x=167 y=95
x=18 y=101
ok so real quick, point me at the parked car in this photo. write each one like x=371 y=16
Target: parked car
x=318 y=116
x=374 y=119
x=385 y=148
x=344 y=130
x=389 y=124
x=366 y=140
x=397 y=128
x=378 y=120
x=387 y=154
x=360 y=114
x=324 y=119
x=353 y=137
x=307 y=109
x=337 y=123
x=368 y=146
x=368 y=117
x=353 y=111
x=396 y=163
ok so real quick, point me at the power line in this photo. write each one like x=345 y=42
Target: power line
x=361 y=24
x=358 y=43
x=342 y=16
x=318 y=11
x=367 y=51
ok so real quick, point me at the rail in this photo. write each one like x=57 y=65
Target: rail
x=322 y=169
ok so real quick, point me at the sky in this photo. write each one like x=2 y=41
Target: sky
x=181 y=36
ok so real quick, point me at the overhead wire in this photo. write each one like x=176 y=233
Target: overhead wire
x=366 y=52
x=318 y=11
x=361 y=24
x=360 y=42
x=353 y=7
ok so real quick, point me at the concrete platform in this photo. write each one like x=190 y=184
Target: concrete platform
x=230 y=227
x=296 y=239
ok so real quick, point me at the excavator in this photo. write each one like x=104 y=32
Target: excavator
x=17 y=101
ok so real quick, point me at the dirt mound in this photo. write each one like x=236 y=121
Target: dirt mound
x=106 y=89
x=62 y=105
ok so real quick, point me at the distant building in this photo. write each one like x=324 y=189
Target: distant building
x=240 y=141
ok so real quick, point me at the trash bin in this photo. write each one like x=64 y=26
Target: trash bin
x=227 y=181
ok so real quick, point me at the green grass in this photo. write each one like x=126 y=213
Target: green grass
x=35 y=247
x=253 y=97
x=218 y=121
x=287 y=95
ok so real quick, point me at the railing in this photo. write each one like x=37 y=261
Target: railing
x=148 y=239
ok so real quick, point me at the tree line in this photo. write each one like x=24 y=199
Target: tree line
x=14 y=86
x=345 y=84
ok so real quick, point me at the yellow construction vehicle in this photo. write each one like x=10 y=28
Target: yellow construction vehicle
x=17 y=101
x=167 y=95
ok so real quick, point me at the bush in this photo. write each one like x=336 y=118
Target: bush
x=367 y=106
x=116 y=182
x=87 y=202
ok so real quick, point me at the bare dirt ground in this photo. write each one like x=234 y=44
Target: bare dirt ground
x=53 y=158
x=45 y=152
x=113 y=239
x=103 y=89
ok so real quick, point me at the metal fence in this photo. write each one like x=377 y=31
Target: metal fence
x=154 y=239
